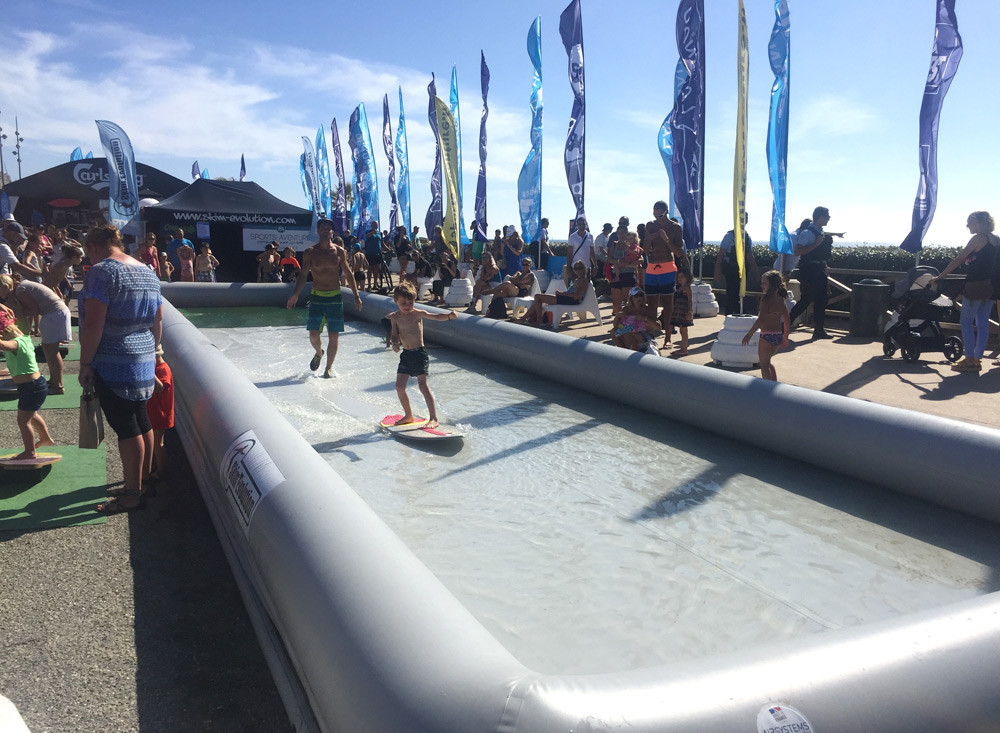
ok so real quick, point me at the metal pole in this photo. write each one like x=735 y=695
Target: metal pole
x=18 y=140
x=3 y=175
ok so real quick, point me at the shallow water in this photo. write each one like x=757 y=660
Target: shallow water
x=588 y=537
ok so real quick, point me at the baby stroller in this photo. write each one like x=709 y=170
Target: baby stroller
x=914 y=328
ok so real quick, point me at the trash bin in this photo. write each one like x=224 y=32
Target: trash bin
x=869 y=302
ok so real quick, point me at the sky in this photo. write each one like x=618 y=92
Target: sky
x=210 y=81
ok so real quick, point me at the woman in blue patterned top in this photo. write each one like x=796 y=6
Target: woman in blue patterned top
x=120 y=327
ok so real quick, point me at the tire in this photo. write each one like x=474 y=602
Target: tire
x=888 y=347
x=953 y=348
x=911 y=353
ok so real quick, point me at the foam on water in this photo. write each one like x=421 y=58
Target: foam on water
x=592 y=538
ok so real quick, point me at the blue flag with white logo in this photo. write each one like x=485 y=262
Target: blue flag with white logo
x=435 y=212
x=574 y=157
x=195 y=171
x=463 y=237
x=387 y=146
x=89 y=155
x=77 y=154
x=341 y=221
x=206 y=175
x=484 y=80
x=779 y=53
x=366 y=179
x=666 y=137
x=945 y=57
x=123 y=187
x=243 y=167
x=688 y=122
x=529 y=182
x=403 y=187
x=323 y=172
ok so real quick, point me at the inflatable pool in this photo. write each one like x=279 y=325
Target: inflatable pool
x=362 y=636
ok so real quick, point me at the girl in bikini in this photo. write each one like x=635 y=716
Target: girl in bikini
x=773 y=322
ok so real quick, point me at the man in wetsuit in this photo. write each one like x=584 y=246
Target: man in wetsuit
x=664 y=248
x=327 y=260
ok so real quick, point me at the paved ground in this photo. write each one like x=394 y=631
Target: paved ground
x=137 y=625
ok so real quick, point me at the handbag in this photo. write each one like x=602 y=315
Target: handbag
x=91 y=421
x=978 y=290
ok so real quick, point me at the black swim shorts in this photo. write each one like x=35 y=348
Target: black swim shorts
x=413 y=362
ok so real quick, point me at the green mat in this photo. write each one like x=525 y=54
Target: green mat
x=244 y=317
x=62 y=495
x=70 y=400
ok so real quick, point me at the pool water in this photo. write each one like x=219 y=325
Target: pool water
x=591 y=537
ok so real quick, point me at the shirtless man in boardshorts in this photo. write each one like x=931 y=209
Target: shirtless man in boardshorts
x=664 y=249
x=327 y=260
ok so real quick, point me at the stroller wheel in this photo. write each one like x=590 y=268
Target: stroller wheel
x=888 y=347
x=953 y=348
x=910 y=353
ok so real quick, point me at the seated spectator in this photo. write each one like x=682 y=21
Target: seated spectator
x=576 y=292
x=487 y=272
x=633 y=328
x=517 y=285
x=422 y=268
x=447 y=272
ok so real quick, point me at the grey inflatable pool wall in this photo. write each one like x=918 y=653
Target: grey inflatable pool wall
x=362 y=637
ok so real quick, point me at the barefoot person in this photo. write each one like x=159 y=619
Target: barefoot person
x=664 y=246
x=773 y=322
x=32 y=388
x=327 y=260
x=408 y=333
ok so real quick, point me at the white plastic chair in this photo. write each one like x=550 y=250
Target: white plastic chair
x=425 y=285
x=589 y=304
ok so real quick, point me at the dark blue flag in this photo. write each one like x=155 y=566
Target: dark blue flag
x=945 y=57
x=341 y=221
x=435 y=212
x=484 y=77
x=387 y=145
x=571 y=32
x=366 y=179
x=687 y=126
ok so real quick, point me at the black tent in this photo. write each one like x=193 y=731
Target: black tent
x=242 y=218
x=71 y=193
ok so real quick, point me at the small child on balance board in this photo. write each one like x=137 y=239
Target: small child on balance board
x=408 y=333
x=31 y=385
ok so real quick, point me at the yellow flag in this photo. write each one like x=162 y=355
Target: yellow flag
x=740 y=163
x=448 y=139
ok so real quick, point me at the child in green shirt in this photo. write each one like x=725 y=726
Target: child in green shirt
x=31 y=385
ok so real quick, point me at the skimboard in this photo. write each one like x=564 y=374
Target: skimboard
x=418 y=430
x=40 y=460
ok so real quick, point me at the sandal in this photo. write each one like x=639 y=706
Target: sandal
x=115 y=506
x=314 y=363
x=56 y=390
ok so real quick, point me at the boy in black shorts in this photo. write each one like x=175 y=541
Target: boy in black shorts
x=408 y=333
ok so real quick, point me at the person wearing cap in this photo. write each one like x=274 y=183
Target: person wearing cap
x=327 y=261
x=814 y=247
x=601 y=242
x=14 y=237
x=664 y=248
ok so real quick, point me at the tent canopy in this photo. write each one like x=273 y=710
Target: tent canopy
x=86 y=181
x=227 y=202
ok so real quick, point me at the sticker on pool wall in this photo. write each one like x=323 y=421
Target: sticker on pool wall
x=782 y=719
x=248 y=473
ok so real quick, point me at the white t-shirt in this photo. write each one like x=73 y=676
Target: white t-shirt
x=601 y=245
x=6 y=258
x=579 y=248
